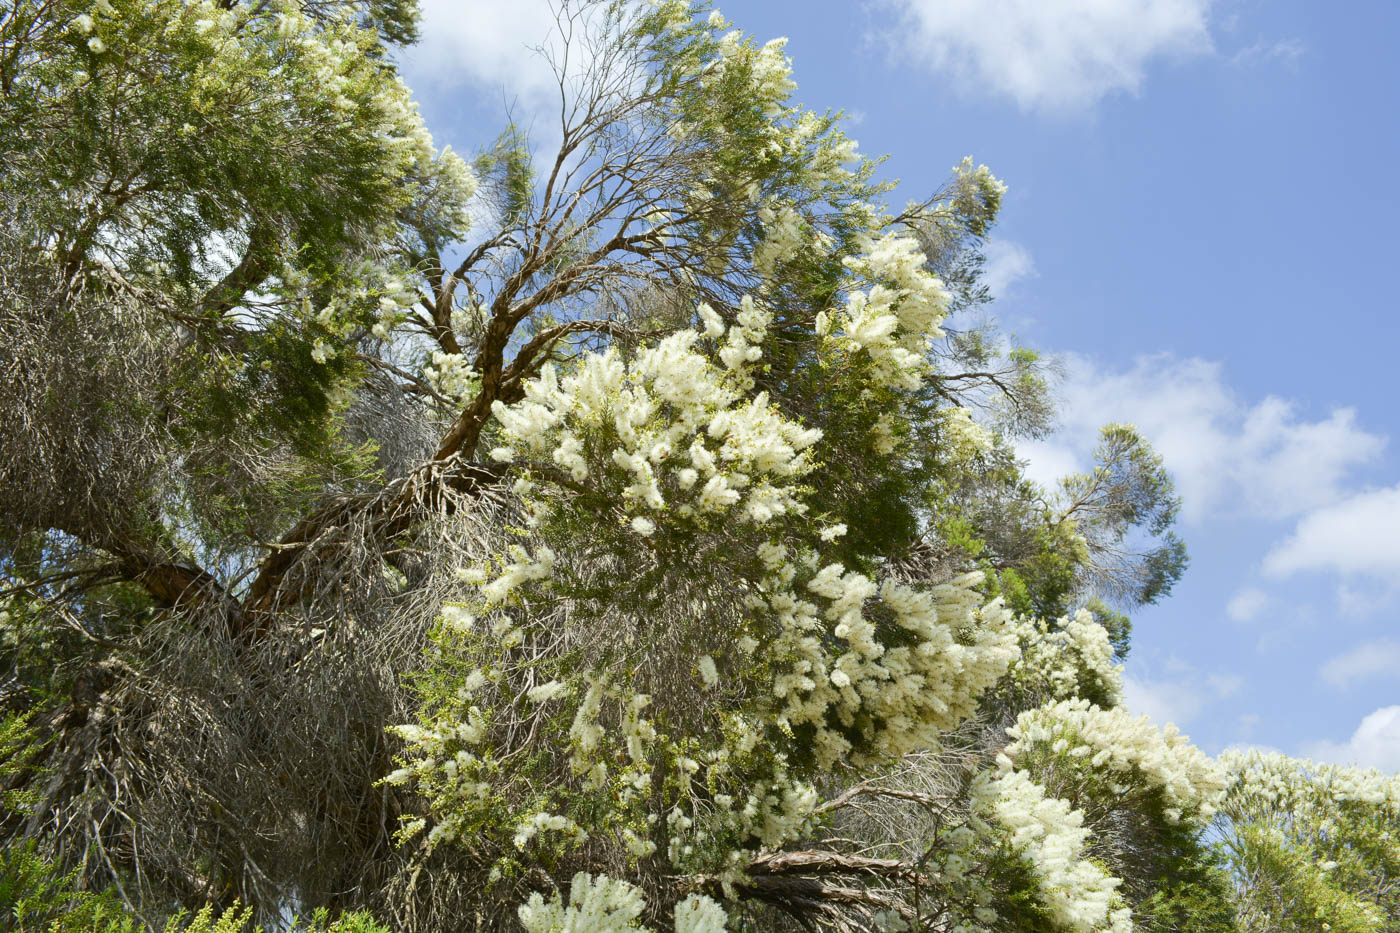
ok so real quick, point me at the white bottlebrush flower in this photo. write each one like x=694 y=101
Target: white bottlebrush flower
x=698 y=914
x=643 y=526
x=547 y=691
x=457 y=618
x=1139 y=755
x=597 y=904
x=97 y=45
x=709 y=674
x=1080 y=895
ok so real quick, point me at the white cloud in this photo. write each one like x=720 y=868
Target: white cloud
x=1246 y=605
x=1246 y=747
x=1227 y=457
x=1246 y=725
x=1284 y=51
x=1225 y=685
x=1375 y=658
x=1361 y=596
x=1374 y=744
x=1354 y=536
x=1050 y=54
x=1007 y=264
x=1048 y=460
x=1163 y=701
x=1176 y=690
x=486 y=43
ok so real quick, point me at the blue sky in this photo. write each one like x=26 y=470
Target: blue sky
x=1200 y=216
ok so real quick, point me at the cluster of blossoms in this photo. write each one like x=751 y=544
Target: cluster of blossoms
x=836 y=674
x=666 y=433
x=896 y=318
x=783 y=237
x=370 y=295
x=1270 y=781
x=1072 y=658
x=963 y=437
x=1050 y=836
x=599 y=904
x=1334 y=811
x=1133 y=754
x=451 y=376
x=87 y=25
x=743 y=344
x=767 y=69
x=448 y=764
x=840 y=677
x=976 y=191
x=735 y=70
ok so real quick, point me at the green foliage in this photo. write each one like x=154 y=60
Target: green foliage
x=1287 y=892
x=1128 y=490
x=1192 y=895
x=36 y=897
x=19 y=747
x=507 y=175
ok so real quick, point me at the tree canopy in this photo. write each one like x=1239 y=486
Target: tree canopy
x=625 y=537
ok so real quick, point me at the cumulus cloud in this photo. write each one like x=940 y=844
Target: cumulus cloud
x=1246 y=605
x=1379 y=658
x=1180 y=697
x=1163 y=701
x=1007 y=264
x=487 y=44
x=1050 y=54
x=1228 y=458
x=1374 y=744
x=1356 y=535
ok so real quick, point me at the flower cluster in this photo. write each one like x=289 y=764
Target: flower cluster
x=1050 y=835
x=599 y=904
x=767 y=69
x=897 y=317
x=1287 y=784
x=1072 y=658
x=848 y=679
x=1133 y=754
x=1325 y=833
x=667 y=432
x=451 y=376
x=783 y=237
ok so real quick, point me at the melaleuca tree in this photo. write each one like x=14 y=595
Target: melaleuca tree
x=654 y=555
x=1311 y=845
x=202 y=206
